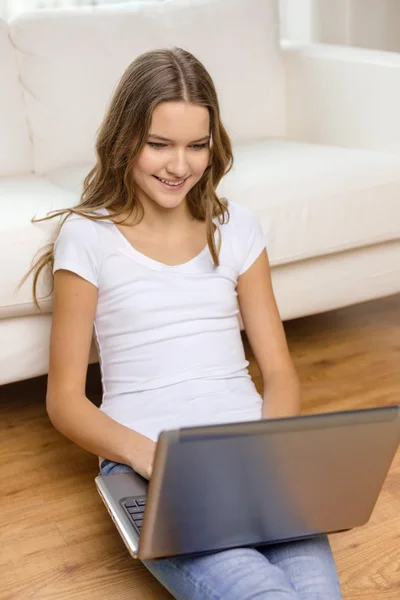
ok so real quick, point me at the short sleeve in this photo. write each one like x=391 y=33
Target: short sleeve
x=77 y=249
x=250 y=239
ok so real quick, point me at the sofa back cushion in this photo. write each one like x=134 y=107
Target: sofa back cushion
x=15 y=146
x=71 y=60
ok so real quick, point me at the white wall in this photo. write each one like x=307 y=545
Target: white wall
x=296 y=20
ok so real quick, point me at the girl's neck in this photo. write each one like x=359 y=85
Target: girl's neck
x=160 y=220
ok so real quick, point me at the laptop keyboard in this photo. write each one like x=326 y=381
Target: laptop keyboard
x=134 y=507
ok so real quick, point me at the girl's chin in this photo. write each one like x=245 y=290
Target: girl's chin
x=169 y=204
x=167 y=200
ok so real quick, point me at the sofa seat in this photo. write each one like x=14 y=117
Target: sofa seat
x=24 y=197
x=321 y=200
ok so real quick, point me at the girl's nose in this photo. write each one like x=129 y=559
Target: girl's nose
x=177 y=166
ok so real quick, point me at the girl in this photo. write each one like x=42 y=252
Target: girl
x=157 y=264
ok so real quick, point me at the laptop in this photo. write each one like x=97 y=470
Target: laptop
x=216 y=487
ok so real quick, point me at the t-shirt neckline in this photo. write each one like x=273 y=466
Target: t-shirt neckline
x=151 y=262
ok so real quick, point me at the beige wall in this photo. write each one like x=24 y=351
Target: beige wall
x=363 y=23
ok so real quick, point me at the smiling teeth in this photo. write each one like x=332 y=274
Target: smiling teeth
x=168 y=183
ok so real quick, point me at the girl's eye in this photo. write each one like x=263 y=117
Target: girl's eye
x=194 y=146
x=155 y=145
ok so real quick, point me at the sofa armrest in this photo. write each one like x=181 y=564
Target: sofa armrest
x=342 y=96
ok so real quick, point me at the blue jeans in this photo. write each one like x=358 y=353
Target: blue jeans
x=298 y=570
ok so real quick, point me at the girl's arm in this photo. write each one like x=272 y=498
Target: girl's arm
x=70 y=411
x=267 y=339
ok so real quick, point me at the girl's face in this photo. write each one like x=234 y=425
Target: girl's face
x=177 y=151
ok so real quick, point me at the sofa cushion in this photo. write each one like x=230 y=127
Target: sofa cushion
x=15 y=146
x=68 y=85
x=316 y=200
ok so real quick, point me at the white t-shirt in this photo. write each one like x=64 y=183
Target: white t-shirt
x=168 y=337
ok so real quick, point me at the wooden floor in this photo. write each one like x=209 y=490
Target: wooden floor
x=57 y=541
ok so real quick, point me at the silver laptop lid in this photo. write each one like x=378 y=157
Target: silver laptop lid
x=216 y=487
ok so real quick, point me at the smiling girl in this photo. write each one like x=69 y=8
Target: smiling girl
x=157 y=265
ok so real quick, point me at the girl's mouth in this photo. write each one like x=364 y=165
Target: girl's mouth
x=170 y=187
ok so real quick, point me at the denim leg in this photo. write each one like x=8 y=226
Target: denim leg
x=237 y=574
x=109 y=467
x=302 y=570
x=309 y=566
x=292 y=571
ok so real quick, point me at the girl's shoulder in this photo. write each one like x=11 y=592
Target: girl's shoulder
x=80 y=231
x=81 y=225
x=77 y=248
x=244 y=236
x=241 y=218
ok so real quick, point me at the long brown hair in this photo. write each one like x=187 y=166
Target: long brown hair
x=156 y=76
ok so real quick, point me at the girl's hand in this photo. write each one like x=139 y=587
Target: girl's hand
x=142 y=457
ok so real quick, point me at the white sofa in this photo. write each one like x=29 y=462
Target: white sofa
x=315 y=130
